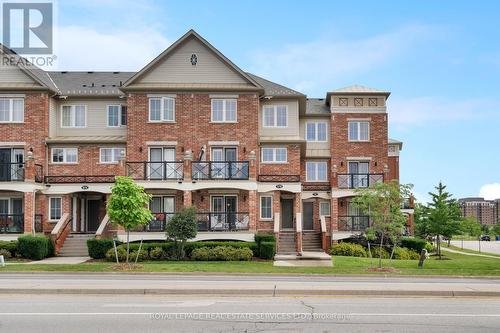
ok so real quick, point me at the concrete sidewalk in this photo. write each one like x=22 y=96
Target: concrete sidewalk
x=468 y=254
x=223 y=285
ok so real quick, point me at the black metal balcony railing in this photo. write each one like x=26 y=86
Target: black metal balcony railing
x=158 y=224
x=10 y=172
x=358 y=180
x=353 y=223
x=38 y=223
x=38 y=173
x=11 y=223
x=156 y=170
x=222 y=221
x=79 y=179
x=280 y=178
x=316 y=187
x=228 y=170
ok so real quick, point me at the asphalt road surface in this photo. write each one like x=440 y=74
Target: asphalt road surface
x=95 y=313
x=486 y=247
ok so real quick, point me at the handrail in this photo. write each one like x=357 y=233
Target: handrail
x=276 y=222
x=322 y=223
x=60 y=224
x=102 y=226
x=61 y=231
x=324 y=239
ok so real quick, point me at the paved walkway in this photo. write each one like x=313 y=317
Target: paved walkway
x=60 y=260
x=468 y=254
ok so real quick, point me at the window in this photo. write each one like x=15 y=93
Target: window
x=11 y=110
x=324 y=208
x=117 y=115
x=316 y=131
x=64 y=155
x=74 y=116
x=316 y=171
x=266 y=207
x=274 y=155
x=161 y=109
x=359 y=131
x=275 y=116
x=111 y=155
x=55 y=208
x=224 y=110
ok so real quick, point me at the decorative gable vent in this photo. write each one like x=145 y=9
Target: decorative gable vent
x=194 y=59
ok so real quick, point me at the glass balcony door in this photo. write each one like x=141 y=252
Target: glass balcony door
x=223 y=155
x=158 y=169
x=359 y=173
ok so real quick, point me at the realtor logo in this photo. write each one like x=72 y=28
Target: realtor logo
x=27 y=27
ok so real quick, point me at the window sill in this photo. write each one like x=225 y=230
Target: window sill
x=161 y=122
x=108 y=163
x=223 y=122
x=12 y=122
x=359 y=141
x=63 y=163
x=273 y=162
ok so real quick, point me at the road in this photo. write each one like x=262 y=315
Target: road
x=489 y=247
x=148 y=313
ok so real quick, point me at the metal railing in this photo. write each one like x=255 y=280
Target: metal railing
x=156 y=170
x=316 y=187
x=406 y=203
x=158 y=224
x=358 y=180
x=11 y=223
x=79 y=179
x=38 y=173
x=279 y=178
x=224 y=170
x=38 y=223
x=353 y=223
x=222 y=221
x=12 y=171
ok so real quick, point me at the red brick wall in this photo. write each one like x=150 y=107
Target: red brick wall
x=292 y=167
x=393 y=163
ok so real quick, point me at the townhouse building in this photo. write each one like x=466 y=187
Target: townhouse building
x=193 y=129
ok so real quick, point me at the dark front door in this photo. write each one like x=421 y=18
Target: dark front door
x=5 y=165
x=307 y=216
x=93 y=207
x=286 y=213
x=231 y=212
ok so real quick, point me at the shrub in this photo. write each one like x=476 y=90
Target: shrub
x=267 y=250
x=34 y=247
x=10 y=246
x=403 y=253
x=348 y=249
x=221 y=253
x=98 y=247
x=5 y=253
x=377 y=250
x=122 y=254
x=416 y=244
x=143 y=255
x=156 y=253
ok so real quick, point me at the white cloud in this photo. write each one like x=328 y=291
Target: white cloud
x=320 y=63
x=490 y=191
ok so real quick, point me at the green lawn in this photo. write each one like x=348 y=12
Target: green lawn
x=458 y=265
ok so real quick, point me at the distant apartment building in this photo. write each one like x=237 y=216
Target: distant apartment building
x=485 y=211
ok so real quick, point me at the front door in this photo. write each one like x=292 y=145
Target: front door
x=307 y=216
x=5 y=165
x=286 y=213
x=93 y=207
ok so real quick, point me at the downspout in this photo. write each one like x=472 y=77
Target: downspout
x=34 y=213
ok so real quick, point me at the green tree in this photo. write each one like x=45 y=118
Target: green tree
x=471 y=227
x=382 y=203
x=443 y=216
x=496 y=229
x=485 y=229
x=182 y=227
x=422 y=228
x=127 y=206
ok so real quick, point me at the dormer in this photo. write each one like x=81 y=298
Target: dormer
x=358 y=99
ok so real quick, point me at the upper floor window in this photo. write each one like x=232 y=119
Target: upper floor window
x=274 y=155
x=11 y=110
x=117 y=115
x=359 y=131
x=161 y=109
x=64 y=155
x=316 y=171
x=275 y=116
x=316 y=131
x=111 y=155
x=224 y=110
x=74 y=116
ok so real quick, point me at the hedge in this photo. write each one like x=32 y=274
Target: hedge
x=10 y=246
x=416 y=244
x=98 y=247
x=348 y=249
x=35 y=247
x=221 y=253
x=267 y=250
x=402 y=253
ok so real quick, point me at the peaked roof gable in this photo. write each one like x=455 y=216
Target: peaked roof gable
x=236 y=75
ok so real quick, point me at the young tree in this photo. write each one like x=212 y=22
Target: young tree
x=470 y=226
x=127 y=206
x=382 y=203
x=421 y=223
x=181 y=227
x=496 y=229
x=443 y=215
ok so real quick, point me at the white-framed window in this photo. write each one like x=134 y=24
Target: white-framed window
x=74 y=116
x=224 y=110
x=110 y=155
x=316 y=131
x=274 y=155
x=64 y=155
x=275 y=116
x=55 y=208
x=11 y=110
x=316 y=172
x=117 y=115
x=161 y=109
x=266 y=207
x=359 y=131
x=324 y=208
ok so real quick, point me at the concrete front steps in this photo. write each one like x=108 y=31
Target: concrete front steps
x=304 y=259
x=311 y=241
x=75 y=245
x=286 y=243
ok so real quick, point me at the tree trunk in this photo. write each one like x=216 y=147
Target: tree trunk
x=380 y=251
x=438 y=245
x=128 y=243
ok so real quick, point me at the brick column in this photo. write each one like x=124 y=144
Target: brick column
x=29 y=210
x=188 y=160
x=29 y=170
x=252 y=210
x=298 y=221
x=187 y=198
x=252 y=167
x=334 y=215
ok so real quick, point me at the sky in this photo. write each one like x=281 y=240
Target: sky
x=439 y=59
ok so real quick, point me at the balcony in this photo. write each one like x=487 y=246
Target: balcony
x=79 y=179
x=224 y=170
x=353 y=223
x=156 y=170
x=222 y=221
x=16 y=172
x=407 y=203
x=158 y=224
x=279 y=178
x=358 y=180
x=11 y=223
